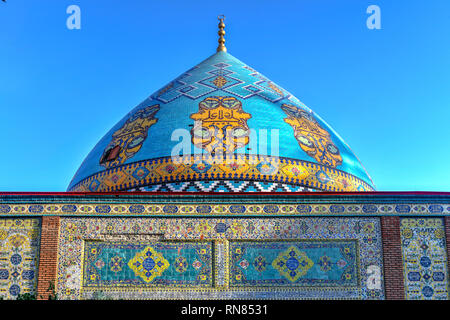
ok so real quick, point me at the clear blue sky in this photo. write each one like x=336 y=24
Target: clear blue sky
x=386 y=92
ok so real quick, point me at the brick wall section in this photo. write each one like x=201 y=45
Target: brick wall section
x=447 y=240
x=392 y=258
x=48 y=257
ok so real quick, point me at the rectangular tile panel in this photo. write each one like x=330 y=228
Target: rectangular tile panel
x=424 y=258
x=294 y=263
x=19 y=256
x=143 y=264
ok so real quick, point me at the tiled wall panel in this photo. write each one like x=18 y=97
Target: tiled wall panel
x=336 y=258
x=424 y=258
x=19 y=253
x=147 y=264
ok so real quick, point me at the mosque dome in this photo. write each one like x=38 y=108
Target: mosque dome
x=221 y=127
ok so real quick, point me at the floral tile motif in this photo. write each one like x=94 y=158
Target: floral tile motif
x=19 y=256
x=424 y=258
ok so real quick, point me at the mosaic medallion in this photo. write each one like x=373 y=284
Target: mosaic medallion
x=292 y=264
x=148 y=264
x=181 y=264
x=260 y=263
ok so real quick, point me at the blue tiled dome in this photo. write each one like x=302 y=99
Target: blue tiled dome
x=271 y=141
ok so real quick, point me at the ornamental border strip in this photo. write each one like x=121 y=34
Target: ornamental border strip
x=205 y=209
x=220 y=258
x=186 y=198
x=208 y=293
x=126 y=177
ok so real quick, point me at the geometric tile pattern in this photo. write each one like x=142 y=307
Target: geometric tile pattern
x=240 y=167
x=198 y=88
x=224 y=186
x=19 y=253
x=351 y=247
x=424 y=258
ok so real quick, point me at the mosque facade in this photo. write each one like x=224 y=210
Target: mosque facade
x=223 y=185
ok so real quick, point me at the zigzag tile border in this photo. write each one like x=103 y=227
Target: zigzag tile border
x=206 y=169
x=224 y=186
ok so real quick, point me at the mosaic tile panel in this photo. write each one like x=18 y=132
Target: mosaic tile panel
x=125 y=264
x=294 y=263
x=19 y=256
x=77 y=233
x=424 y=258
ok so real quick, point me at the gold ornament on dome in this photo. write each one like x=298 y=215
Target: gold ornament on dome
x=220 y=126
x=312 y=138
x=128 y=139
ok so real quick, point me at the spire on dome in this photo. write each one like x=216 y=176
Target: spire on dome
x=221 y=34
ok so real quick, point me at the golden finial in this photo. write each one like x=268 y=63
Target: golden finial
x=221 y=34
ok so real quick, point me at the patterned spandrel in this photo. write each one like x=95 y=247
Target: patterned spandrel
x=424 y=258
x=19 y=256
